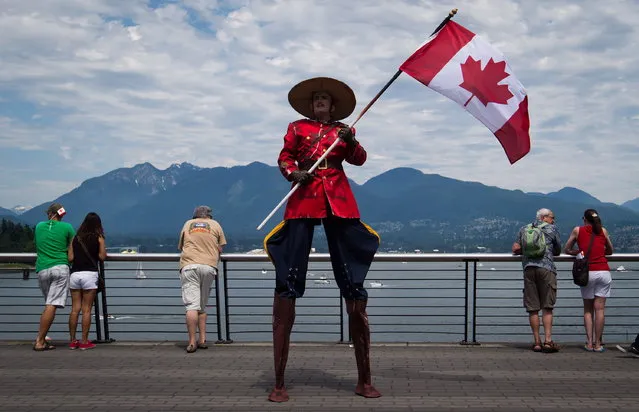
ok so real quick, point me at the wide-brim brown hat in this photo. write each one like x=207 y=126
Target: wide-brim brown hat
x=301 y=96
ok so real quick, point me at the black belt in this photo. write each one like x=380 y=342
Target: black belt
x=325 y=164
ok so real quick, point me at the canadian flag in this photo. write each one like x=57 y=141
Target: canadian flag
x=463 y=67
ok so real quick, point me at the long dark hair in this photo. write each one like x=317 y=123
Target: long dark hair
x=91 y=227
x=591 y=216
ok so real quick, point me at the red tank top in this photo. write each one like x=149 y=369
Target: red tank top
x=597 y=258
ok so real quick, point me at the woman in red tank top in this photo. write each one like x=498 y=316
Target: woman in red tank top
x=594 y=294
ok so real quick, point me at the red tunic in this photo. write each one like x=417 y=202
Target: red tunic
x=301 y=144
x=597 y=257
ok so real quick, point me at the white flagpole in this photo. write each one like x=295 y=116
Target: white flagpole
x=368 y=106
x=290 y=193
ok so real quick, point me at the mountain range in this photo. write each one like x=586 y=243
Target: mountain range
x=409 y=209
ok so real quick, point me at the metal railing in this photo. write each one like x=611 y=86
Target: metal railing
x=468 y=298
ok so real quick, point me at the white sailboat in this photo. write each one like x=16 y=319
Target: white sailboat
x=132 y=250
x=139 y=273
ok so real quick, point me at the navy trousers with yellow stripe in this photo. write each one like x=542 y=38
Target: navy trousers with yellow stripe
x=351 y=244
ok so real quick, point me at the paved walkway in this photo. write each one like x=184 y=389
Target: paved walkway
x=238 y=377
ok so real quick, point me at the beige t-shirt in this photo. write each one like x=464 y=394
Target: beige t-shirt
x=199 y=242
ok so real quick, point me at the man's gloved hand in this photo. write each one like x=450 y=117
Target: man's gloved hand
x=346 y=134
x=301 y=176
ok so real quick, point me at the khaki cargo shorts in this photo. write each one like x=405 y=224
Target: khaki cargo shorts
x=196 y=286
x=540 y=289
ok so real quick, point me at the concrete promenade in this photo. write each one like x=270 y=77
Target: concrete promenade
x=163 y=377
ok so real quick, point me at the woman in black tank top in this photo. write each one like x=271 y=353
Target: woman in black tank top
x=87 y=249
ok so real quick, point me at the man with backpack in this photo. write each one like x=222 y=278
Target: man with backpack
x=538 y=243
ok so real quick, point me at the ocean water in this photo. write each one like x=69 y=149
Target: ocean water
x=408 y=302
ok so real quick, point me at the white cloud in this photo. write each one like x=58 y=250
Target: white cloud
x=47 y=189
x=206 y=82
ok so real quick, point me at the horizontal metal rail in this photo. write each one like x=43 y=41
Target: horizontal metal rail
x=413 y=297
x=325 y=257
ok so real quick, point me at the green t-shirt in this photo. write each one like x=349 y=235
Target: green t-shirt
x=52 y=239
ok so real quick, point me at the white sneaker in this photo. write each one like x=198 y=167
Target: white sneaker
x=630 y=350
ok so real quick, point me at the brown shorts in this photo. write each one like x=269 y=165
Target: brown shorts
x=540 y=289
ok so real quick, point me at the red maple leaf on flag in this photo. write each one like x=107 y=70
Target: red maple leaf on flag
x=483 y=84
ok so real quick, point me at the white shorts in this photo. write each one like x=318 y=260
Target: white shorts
x=54 y=284
x=599 y=282
x=196 y=286
x=84 y=280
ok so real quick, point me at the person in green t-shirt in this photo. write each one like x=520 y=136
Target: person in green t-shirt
x=52 y=239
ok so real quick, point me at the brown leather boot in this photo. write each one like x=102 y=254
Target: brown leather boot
x=360 y=333
x=283 y=319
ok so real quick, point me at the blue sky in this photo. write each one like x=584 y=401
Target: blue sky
x=88 y=86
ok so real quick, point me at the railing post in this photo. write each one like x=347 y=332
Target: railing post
x=105 y=310
x=475 y=303
x=465 y=341
x=98 y=325
x=226 y=303
x=218 y=315
x=25 y=274
x=473 y=320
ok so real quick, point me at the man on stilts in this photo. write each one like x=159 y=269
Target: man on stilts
x=323 y=197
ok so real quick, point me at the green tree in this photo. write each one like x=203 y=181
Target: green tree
x=16 y=237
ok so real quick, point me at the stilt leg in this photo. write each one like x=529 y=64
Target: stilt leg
x=360 y=333
x=283 y=319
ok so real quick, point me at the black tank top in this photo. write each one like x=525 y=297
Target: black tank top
x=81 y=261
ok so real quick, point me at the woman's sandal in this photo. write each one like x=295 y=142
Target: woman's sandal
x=550 y=347
x=46 y=346
x=536 y=347
x=202 y=345
x=191 y=348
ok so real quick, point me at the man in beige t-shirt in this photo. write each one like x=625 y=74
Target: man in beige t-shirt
x=201 y=242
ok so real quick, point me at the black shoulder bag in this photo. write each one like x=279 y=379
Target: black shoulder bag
x=580 y=266
x=97 y=267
